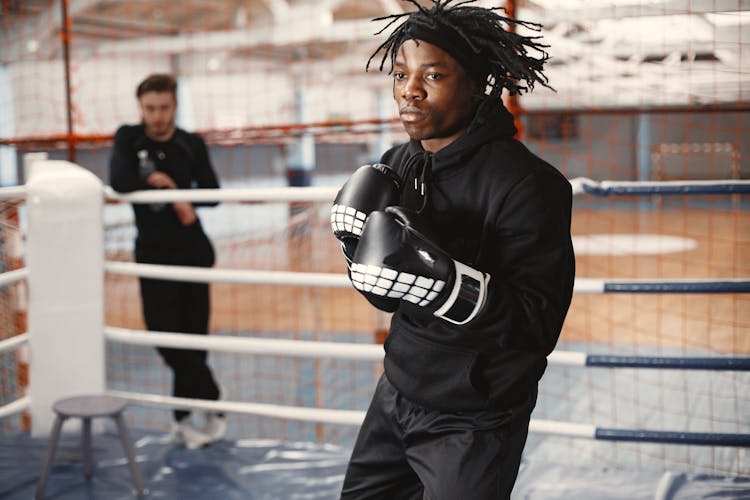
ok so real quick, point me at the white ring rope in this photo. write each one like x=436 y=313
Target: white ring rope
x=13 y=193
x=323 y=193
x=281 y=347
x=266 y=194
x=597 y=285
x=346 y=417
x=256 y=277
x=245 y=276
x=16 y=406
x=9 y=277
x=579 y=185
x=568 y=429
x=569 y=358
x=14 y=342
x=278 y=347
x=328 y=193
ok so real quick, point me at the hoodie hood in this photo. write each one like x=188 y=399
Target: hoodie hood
x=491 y=121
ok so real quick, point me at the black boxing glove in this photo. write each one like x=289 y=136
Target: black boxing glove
x=395 y=260
x=370 y=188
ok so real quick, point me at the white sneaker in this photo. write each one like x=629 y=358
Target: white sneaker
x=191 y=437
x=216 y=425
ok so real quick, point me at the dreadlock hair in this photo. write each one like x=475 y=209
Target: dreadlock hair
x=475 y=36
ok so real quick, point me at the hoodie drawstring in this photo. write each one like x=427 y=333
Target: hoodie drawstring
x=415 y=193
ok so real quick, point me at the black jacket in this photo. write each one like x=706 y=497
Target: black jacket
x=161 y=236
x=497 y=207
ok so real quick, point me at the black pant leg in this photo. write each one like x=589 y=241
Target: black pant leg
x=468 y=454
x=161 y=311
x=184 y=307
x=378 y=467
x=170 y=306
x=196 y=306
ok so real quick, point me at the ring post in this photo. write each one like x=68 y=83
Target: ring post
x=65 y=254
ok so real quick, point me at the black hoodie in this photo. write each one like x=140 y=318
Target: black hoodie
x=493 y=205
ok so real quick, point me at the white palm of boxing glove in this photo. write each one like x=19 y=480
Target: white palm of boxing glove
x=370 y=188
x=395 y=260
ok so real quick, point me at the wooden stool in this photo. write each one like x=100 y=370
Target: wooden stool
x=86 y=408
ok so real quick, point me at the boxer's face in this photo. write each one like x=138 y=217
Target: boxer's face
x=435 y=96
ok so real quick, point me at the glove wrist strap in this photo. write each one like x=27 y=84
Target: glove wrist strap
x=467 y=296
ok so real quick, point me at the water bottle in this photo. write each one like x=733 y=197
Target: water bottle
x=147 y=168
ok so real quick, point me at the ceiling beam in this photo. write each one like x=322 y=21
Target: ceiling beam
x=123 y=25
x=392 y=7
x=553 y=11
x=297 y=31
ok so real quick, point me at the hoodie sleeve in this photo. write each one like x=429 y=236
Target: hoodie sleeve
x=531 y=262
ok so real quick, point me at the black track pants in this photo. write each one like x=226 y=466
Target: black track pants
x=405 y=451
x=171 y=306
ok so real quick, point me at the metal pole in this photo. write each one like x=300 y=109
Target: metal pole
x=65 y=39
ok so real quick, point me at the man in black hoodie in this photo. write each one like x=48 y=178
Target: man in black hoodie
x=474 y=256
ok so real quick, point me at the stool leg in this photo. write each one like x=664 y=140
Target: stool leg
x=86 y=447
x=128 y=447
x=54 y=437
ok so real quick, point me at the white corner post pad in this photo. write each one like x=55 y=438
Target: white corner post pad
x=466 y=297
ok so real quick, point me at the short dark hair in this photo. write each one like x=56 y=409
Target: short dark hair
x=477 y=38
x=157 y=82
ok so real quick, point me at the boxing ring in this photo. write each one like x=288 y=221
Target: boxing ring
x=691 y=438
